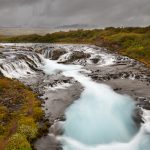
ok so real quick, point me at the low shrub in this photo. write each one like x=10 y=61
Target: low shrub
x=29 y=132
x=18 y=142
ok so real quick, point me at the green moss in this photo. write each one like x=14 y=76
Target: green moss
x=2 y=129
x=29 y=132
x=18 y=142
x=37 y=113
x=4 y=112
x=27 y=121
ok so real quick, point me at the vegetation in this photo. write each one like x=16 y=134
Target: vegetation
x=20 y=112
x=131 y=41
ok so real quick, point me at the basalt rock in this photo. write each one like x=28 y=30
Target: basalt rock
x=2 y=46
x=56 y=53
x=76 y=55
x=96 y=59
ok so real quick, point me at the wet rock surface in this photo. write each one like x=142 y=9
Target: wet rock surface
x=77 y=55
x=56 y=53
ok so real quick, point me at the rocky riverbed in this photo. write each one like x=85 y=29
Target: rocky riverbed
x=25 y=62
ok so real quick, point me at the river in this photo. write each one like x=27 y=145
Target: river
x=100 y=119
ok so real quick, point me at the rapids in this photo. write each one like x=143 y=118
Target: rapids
x=100 y=119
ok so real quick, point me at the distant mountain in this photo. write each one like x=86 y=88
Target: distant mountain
x=14 y=31
x=75 y=26
x=20 y=30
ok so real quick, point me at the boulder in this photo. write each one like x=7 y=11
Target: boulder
x=96 y=59
x=76 y=55
x=56 y=53
x=2 y=46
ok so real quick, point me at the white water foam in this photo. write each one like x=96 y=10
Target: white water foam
x=19 y=64
x=141 y=141
x=58 y=86
x=16 y=69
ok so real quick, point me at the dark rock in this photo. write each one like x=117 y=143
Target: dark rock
x=117 y=89
x=56 y=53
x=137 y=116
x=96 y=59
x=56 y=128
x=66 y=81
x=78 y=55
x=137 y=77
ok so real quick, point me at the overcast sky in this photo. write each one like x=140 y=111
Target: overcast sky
x=50 y=13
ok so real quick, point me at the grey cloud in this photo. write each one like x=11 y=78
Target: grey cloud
x=11 y=3
x=59 y=12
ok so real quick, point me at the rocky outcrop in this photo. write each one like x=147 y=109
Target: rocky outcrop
x=56 y=53
x=96 y=59
x=77 y=55
x=1 y=46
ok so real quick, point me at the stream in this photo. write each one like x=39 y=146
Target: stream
x=99 y=117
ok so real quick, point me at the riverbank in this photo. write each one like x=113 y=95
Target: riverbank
x=21 y=116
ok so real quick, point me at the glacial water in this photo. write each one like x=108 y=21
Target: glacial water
x=100 y=116
x=101 y=119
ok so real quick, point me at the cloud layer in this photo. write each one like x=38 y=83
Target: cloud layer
x=49 y=13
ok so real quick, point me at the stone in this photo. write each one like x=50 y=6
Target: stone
x=76 y=55
x=56 y=53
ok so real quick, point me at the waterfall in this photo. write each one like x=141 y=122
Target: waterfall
x=18 y=64
x=100 y=119
x=46 y=53
x=16 y=69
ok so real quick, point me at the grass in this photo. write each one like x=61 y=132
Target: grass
x=20 y=113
